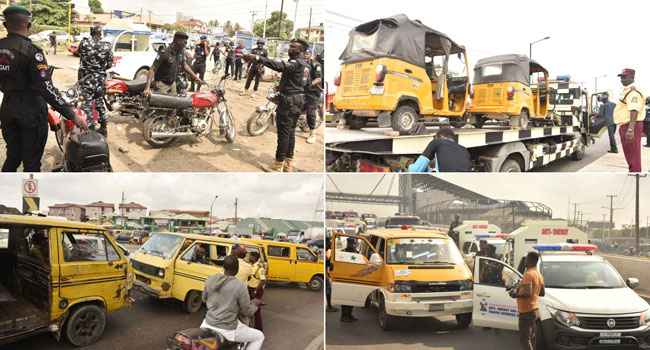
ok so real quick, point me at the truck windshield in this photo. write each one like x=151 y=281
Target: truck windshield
x=422 y=251
x=580 y=275
x=161 y=245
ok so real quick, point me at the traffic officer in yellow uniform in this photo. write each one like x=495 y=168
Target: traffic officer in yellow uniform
x=256 y=285
x=27 y=86
x=628 y=115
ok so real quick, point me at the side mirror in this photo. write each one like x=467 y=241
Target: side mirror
x=632 y=282
x=375 y=260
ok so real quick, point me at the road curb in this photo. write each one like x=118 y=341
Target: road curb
x=317 y=344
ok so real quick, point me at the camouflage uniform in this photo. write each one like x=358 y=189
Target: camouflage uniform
x=96 y=57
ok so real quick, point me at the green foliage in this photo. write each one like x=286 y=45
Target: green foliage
x=95 y=6
x=237 y=27
x=174 y=27
x=76 y=30
x=227 y=28
x=50 y=12
x=272 y=26
x=213 y=23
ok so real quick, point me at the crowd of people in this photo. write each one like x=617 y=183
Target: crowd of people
x=28 y=87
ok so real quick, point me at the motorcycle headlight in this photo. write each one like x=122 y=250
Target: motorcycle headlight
x=644 y=319
x=161 y=273
x=566 y=318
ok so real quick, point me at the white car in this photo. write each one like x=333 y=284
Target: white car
x=61 y=36
x=586 y=301
x=133 y=53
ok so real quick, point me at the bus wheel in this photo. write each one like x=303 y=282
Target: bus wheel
x=85 y=325
x=192 y=302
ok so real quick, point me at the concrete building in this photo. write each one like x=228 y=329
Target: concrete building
x=193 y=25
x=125 y=208
x=313 y=33
x=69 y=211
x=96 y=209
x=89 y=19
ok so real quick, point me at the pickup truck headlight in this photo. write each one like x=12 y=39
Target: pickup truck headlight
x=566 y=318
x=644 y=319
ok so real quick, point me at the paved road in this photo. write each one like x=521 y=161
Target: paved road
x=413 y=333
x=568 y=165
x=145 y=325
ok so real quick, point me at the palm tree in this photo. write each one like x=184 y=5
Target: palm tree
x=227 y=27
x=237 y=27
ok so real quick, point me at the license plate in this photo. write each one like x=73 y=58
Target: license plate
x=377 y=90
x=436 y=307
x=609 y=341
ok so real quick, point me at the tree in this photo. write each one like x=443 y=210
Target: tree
x=227 y=28
x=272 y=26
x=174 y=27
x=95 y=6
x=49 y=12
x=237 y=27
x=213 y=23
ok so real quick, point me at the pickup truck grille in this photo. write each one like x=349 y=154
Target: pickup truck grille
x=627 y=322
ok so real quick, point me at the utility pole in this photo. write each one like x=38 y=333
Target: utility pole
x=235 y=210
x=611 y=215
x=575 y=211
x=149 y=20
x=602 y=241
x=309 y=27
x=253 y=13
x=647 y=227
x=280 y=23
x=513 y=215
x=266 y=12
x=295 y=15
x=636 y=213
x=568 y=210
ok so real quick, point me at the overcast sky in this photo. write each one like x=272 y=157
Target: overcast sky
x=237 y=11
x=589 y=190
x=587 y=38
x=283 y=196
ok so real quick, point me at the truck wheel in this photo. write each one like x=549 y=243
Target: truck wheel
x=141 y=73
x=519 y=121
x=510 y=166
x=316 y=283
x=386 y=321
x=404 y=119
x=356 y=122
x=480 y=121
x=458 y=122
x=540 y=344
x=464 y=319
x=579 y=153
x=85 y=325
x=192 y=302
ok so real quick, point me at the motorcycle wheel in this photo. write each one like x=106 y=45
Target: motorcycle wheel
x=231 y=132
x=304 y=126
x=258 y=123
x=59 y=137
x=159 y=123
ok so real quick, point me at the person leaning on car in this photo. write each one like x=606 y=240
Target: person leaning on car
x=530 y=288
x=27 y=86
x=167 y=65
x=449 y=156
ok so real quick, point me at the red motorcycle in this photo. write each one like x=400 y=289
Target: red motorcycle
x=201 y=339
x=169 y=116
x=125 y=96
x=86 y=152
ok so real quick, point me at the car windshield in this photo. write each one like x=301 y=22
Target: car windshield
x=580 y=275
x=412 y=220
x=423 y=251
x=161 y=245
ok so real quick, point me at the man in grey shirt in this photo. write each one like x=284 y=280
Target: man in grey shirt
x=224 y=296
x=607 y=111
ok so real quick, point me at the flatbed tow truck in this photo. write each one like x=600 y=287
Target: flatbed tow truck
x=492 y=148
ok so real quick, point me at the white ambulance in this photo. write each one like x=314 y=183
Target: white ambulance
x=469 y=228
x=587 y=304
x=534 y=232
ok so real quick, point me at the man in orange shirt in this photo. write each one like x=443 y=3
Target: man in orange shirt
x=531 y=286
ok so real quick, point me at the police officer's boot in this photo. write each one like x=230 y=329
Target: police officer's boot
x=102 y=129
x=312 y=136
x=253 y=94
x=274 y=167
x=243 y=92
x=286 y=168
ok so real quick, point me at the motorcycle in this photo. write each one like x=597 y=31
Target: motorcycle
x=201 y=339
x=264 y=116
x=125 y=96
x=85 y=152
x=169 y=117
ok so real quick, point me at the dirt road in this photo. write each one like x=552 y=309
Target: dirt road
x=130 y=152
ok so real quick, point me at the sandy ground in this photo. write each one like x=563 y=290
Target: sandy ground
x=212 y=153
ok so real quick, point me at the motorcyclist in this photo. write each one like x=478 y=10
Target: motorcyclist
x=224 y=296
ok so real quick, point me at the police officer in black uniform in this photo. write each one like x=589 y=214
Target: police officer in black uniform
x=96 y=58
x=295 y=78
x=346 y=310
x=167 y=65
x=312 y=95
x=27 y=86
x=255 y=69
x=201 y=53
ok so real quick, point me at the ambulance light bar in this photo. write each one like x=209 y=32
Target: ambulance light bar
x=403 y=227
x=565 y=247
x=491 y=236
